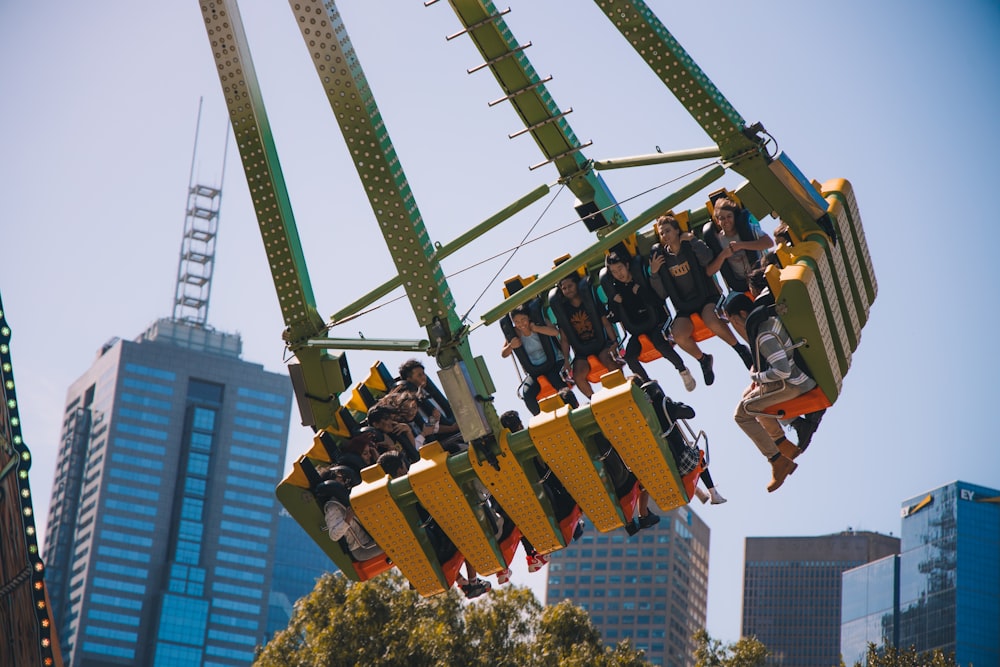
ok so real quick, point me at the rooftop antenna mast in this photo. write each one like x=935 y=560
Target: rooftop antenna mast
x=197 y=256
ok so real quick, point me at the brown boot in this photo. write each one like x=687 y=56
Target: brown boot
x=788 y=448
x=781 y=468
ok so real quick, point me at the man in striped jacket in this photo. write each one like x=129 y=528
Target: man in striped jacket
x=775 y=378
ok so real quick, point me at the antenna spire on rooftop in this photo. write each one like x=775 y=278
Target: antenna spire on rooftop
x=197 y=256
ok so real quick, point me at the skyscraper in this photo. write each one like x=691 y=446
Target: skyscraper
x=297 y=564
x=945 y=591
x=163 y=519
x=651 y=588
x=792 y=592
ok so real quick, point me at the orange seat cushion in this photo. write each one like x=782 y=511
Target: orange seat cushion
x=811 y=401
x=648 y=352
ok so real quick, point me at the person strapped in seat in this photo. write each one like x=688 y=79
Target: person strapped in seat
x=584 y=329
x=533 y=340
x=776 y=376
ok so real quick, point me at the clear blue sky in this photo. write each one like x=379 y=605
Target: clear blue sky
x=98 y=115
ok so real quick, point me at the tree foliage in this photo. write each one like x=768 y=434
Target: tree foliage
x=382 y=623
x=747 y=652
x=894 y=657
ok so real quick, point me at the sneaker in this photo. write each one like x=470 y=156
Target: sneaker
x=745 y=355
x=577 y=532
x=717 y=498
x=805 y=426
x=688 y=379
x=706 y=369
x=649 y=520
x=476 y=587
x=632 y=527
x=503 y=576
x=701 y=495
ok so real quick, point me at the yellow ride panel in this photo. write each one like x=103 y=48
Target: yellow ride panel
x=815 y=256
x=845 y=284
x=567 y=455
x=441 y=495
x=800 y=307
x=848 y=250
x=301 y=504
x=843 y=190
x=630 y=430
x=386 y=522
x=518 y=497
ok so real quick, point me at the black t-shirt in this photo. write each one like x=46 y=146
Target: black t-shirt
x=584 y=327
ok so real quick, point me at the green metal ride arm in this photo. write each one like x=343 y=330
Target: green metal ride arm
x=322 y=375
x=776 y=185
x=527 y=93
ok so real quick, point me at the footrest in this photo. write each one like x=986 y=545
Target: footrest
x=399 y=534
x=633 y=432
x=576 y=467
x=597 y=369
x=444 y=498
x=518 y=496
x=701 y=332
x=545 y=388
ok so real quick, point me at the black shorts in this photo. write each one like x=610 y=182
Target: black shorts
x=688 y=312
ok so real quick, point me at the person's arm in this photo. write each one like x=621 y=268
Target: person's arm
x=564 y=346
x=716 y=264
x=545 y=330
x=761 y=243
x=701 y=250
x=510 y=346
x=656 y=262
x=769 y=347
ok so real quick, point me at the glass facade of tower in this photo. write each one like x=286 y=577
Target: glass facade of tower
x=163 y=520
x=651 y=588
x=792 y=592
x=869 y=608
x=947 y=590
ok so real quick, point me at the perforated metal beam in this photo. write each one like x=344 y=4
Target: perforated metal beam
x=777 y=181
x=263 y=170
x=375 y=159
x=531 y=100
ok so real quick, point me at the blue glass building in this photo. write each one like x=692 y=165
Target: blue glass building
x=944 y=593
x=163 y=520
x=298 y=562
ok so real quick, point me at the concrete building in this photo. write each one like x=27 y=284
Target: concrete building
x=651 y=588
x=792 y=592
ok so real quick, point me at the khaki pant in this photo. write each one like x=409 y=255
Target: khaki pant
x=764 y=431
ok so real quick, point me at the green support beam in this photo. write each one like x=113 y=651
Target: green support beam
x=385 y=184
x=263 y=170
x=527 y=94
x=776 y=182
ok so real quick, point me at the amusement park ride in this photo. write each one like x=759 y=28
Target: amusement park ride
x=824 y=288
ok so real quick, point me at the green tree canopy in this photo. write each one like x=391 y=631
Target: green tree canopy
x=747 y=652
x=382 y=623
x=894 y=657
